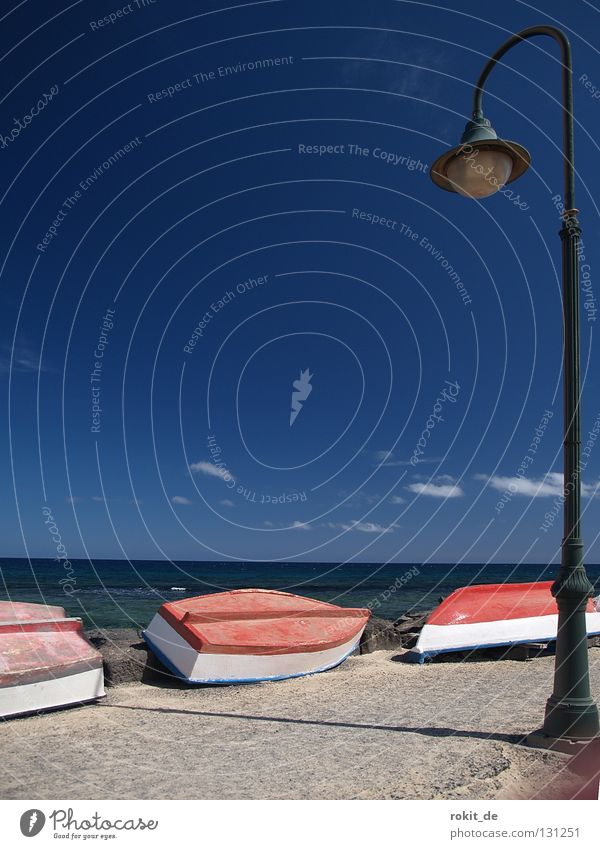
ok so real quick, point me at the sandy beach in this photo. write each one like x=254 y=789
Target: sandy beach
x=374 y=728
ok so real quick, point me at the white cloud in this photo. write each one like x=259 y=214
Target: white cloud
x=427 y=461
x=437 y=490
x=358 y=525
x=180 y=499
x=296 y=525
x=397 y=499
x=226 y=502
x=209 y=469
x=98 y=498
x=411 y=76
x=550 y=486
x=73 y=499
x=24 y=359
x=372 y=528
x=388 y=459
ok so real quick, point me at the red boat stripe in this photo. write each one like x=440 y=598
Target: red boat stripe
x=201 y=643
x=47 y=672
x=249 y=615
x=496 y=602
x=28 y=627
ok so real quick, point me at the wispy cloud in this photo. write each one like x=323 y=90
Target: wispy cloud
x=389 y=459
x=443 y=486
x=411 y=77
x=226 y=502
x=427 y=461
x=372 y=528
x=99 y=499
x=397 y=499
x=438 y=478
x=301 y=526
x=204 y=467
x=180 y=499
x=24 y=359
x=358 y=525
x=550 y=486
x=295 y=526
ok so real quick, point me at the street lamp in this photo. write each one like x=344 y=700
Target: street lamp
x=481 y=165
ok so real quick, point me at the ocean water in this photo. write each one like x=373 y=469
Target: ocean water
x=123 y=594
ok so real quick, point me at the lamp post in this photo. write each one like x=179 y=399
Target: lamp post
x=480 y=165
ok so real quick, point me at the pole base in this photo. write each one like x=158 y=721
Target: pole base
x=572 y=719
x=541 y=740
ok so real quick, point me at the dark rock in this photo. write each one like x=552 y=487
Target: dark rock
x=411 y=621
x=379 y=635
x=126 y=657
x=409 y=640
x=384 y=634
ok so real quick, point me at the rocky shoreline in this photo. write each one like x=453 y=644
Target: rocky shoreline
x=127 y=659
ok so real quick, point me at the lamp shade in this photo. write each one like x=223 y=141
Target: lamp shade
x=481 y=164
x=479 y=173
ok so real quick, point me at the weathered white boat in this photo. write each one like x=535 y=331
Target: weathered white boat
x=489 y=615
x=251 y=635
x=45 y=660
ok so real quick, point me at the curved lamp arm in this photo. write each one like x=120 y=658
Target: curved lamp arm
x=571 y=718
x=567 y=76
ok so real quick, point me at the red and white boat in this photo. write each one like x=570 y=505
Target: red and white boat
x=45 y=660
x=490 y=615
x=245 y=636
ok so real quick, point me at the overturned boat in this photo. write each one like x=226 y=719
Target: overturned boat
x=488 y=615
x=45 y=660
x=250 y=635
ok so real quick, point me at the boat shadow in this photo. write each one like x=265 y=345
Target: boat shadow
x=518 y=652
x=427 y=731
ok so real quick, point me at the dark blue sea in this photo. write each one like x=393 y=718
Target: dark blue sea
x=123 y=594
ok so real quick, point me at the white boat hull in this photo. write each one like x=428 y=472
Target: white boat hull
x=207 y=668
x=52 y=693
x=435 y=639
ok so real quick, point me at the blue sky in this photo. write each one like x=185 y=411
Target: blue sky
x=216 y=217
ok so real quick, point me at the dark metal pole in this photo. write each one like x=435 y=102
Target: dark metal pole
x=571 y=713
